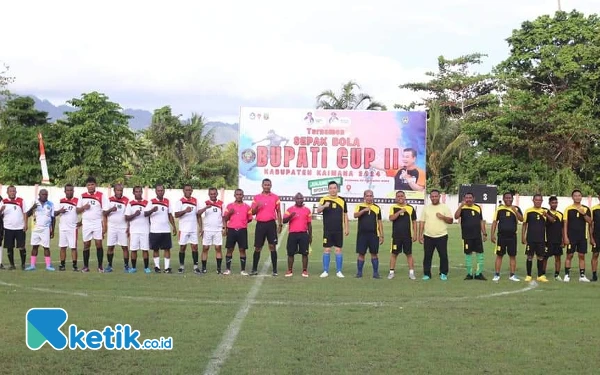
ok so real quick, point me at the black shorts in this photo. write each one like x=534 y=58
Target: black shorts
x=297 y=243
x=579 y=246
x=554 y=250
x=506 y=245
x=265 y=230
x=401 y=245
x=333 y=239
x=160 y=241
x=239 y=236
x=474 y=245
x=366 y=241
x=14 y=236
x=596 y=249
x=535 y=248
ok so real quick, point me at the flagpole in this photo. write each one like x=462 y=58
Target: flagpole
x=45 y=176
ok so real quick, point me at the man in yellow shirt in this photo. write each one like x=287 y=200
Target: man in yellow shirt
x=433 y=234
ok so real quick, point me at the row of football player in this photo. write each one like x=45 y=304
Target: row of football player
x=135 y=224
x=266 y=208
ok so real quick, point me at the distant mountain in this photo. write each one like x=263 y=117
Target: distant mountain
x=54 y=113
x=140 y=119
x=224 y=133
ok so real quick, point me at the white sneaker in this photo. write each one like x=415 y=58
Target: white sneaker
x=583 y=279
x=227 y=272
x=567 y=278
x=391 y=275
x=496 y=278
x=341 y=275
x=514 y=278
x=558 y=278
x=411 y=275
x=324 y=274
x=244 y=273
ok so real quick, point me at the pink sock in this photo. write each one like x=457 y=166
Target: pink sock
x=33 y=260
x=48 y=261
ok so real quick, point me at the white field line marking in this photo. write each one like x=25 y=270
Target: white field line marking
x=224 y=348
x=322 y=304
x=529 y=287
x=276 y=303
x=55 y=291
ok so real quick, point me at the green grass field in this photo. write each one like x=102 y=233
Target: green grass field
x=310 y=326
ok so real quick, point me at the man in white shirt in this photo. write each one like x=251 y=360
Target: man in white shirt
x=186 y=210
x=433 y=234
x=117 y=227
x=211 y=228
x=43 y=230
x=67 y=228
x=139 y=228
x=14 y=215
x=92 y=205
x=162 y=223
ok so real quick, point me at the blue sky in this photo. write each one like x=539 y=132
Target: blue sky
x=214 y=57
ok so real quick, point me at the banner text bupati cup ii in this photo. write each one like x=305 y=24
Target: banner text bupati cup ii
x=301 y=150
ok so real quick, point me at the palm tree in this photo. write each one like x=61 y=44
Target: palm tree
x=195 y=147
x=348 y=99
x=444 y=142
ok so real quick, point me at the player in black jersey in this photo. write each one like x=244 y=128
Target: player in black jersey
x=554 y=237
x=577 y=218
x=472 y=228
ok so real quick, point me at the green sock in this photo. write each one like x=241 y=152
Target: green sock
x=479 y=263
x=469 y=264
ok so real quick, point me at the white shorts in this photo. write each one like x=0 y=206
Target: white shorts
x=212 y=238
x=116 y=237
x=41 y=238
x=188 y=238
x=68 y=238
x=91 y=233
x=139 y=241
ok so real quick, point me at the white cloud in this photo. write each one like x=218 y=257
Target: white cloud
x=259 y=51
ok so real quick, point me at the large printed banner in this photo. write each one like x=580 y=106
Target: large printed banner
x=301 y=150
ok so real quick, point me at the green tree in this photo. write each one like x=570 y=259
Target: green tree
x=229 y=160
x=20 y=123
x=454 y=95
x=348 y=98
x=544 y=135
x=455 y=87
x=186 y=149
x=444 y=142
x=5 y=80
x=97 y=140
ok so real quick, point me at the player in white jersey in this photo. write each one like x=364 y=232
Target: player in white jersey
x=43 y=230
x=162 y=224
x=67 y=227
x=92 y=205
x=117 y=233
x=212 y=229
x=186 y=210
x=139 y=228
x=14 y=216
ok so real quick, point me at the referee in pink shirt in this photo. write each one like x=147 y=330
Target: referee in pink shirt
x=300 y=234
x=235 y=219
x=267 y=208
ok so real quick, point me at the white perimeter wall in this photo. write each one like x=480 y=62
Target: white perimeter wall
x=29 y=193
